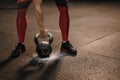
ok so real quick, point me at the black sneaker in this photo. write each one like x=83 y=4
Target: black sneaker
x=68 y=48
x=20 y=48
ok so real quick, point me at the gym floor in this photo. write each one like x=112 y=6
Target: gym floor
x=94 y=32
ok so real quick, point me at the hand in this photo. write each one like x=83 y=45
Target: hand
x=43 y=33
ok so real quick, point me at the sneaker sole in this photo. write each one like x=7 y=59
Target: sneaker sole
x=64 y=50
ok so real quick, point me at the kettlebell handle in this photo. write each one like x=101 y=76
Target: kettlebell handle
x=50 y=37
x=37 y=36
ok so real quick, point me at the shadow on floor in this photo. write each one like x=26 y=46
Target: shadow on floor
x=5 y=63
x=44 y=71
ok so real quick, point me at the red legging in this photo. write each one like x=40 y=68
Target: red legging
x=64 y=18
x=22 y=20
x=64 y=22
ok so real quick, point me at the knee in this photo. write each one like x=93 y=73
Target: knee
x=22 y=12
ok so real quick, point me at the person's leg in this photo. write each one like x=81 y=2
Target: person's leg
x=64 y=18
x=21 y=23
x=64 y=26
x=21 y=20
x=39 y=17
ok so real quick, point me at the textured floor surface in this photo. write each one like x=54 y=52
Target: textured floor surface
x=94 y=32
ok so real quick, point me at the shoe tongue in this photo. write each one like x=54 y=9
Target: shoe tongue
x=68 y=43
x=20 y=45
x=65 y=41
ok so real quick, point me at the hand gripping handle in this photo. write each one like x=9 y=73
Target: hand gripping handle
x=37 y=37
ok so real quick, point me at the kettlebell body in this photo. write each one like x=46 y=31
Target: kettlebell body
x=43 y=48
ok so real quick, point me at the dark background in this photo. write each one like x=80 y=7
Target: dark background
x=12 y=3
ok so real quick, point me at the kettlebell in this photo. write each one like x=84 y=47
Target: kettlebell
x=43 y=48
